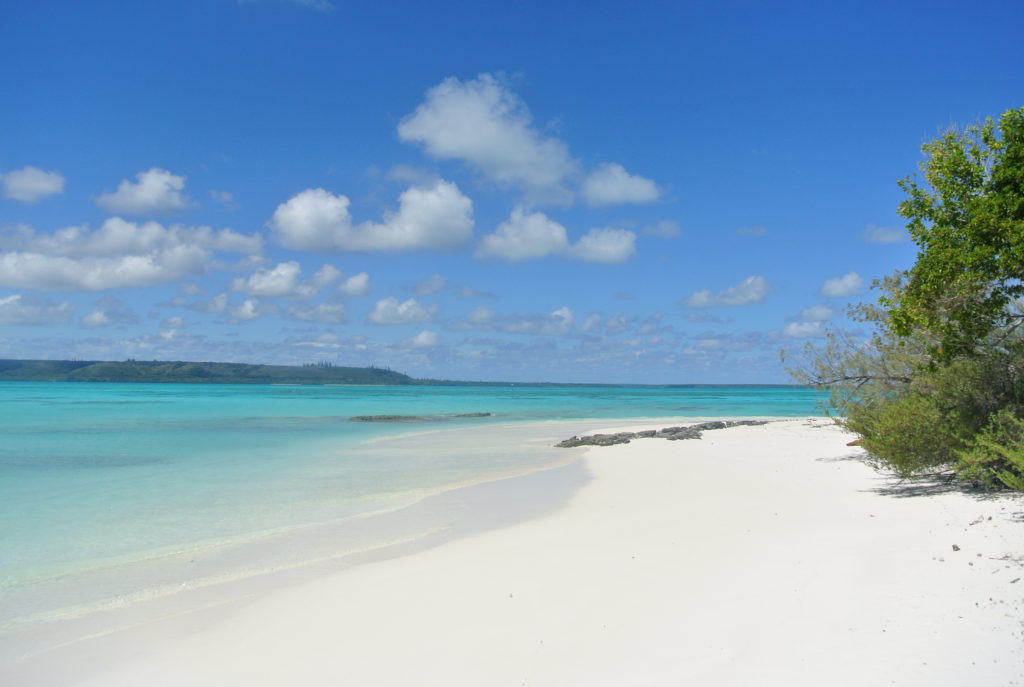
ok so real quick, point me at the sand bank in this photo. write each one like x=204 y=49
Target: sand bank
x=755 y=556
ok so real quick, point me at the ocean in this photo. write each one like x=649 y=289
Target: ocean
x=115 y=496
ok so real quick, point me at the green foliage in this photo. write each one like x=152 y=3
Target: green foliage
x=940 y=383
x=996 y=456
x=906 y=434
x=968 y=221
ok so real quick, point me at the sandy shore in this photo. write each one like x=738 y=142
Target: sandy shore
x=762 y=555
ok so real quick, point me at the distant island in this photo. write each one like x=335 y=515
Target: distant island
x=184 y=372
x=194 y=372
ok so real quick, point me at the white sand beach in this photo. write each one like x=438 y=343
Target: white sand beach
x=765 y=555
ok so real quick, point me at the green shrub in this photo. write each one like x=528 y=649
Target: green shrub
x=996 y=457
x=907 y=435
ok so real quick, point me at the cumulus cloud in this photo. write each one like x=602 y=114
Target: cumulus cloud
x=250 y=309
x=118 y=254
x=29 y=184
x=218 y=303
x=488 y=127
x=873 y=234
x=97 y=318
x=480 y=316
x=109 y=311
x=425 y=339
x=356 y=285
x=556 y=323
x=815 y=313
x=434 y=217
x=525 y=236
x=391 y=311
x=842 y=287
x=611 y=184
x=604 y=245
x=155 y=190
x=282 y=281
x=753 y=289
x=19 y=309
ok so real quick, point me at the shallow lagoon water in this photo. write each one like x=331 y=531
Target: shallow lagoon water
x=110 y=493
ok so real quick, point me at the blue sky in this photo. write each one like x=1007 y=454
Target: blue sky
x=578 y=192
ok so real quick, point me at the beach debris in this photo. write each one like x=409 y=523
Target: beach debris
x=855 y=442
x=670 y=433
x=955 y=547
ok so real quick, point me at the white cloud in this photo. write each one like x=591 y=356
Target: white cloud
x=356 y=285
x=332 y=313
x=282 y=281
x=438 y=217
x=480 y=316
x=250 y=309
x=324 y=276
x=218 y=303
x=611 y=184
x=97 y=318
x=425 y=339
x=29 y=184
x=109 y=310
x=751 y=290
x=873 y=234
x=842 y=287
x=815 y=313
x=556 y=323
x=525 y=236
x=604 y=245
x=51 y=273
x=118 y=254
x=155 y=190
x=487 y=126
x=751 y=232
x=18 y=309
x=391 y=311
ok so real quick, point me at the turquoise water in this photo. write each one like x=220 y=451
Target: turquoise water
x=107 y=490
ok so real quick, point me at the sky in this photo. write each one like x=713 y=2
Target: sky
x=651 y=192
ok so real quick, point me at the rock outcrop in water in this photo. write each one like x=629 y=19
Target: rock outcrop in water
x=670 y=433
x=413 y=418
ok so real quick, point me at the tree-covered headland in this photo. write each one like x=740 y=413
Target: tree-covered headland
x=939 y=386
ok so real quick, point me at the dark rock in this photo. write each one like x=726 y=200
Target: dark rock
x=388 y=418
x=669 y=433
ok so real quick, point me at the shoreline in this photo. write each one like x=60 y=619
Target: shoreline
x=685 y=509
